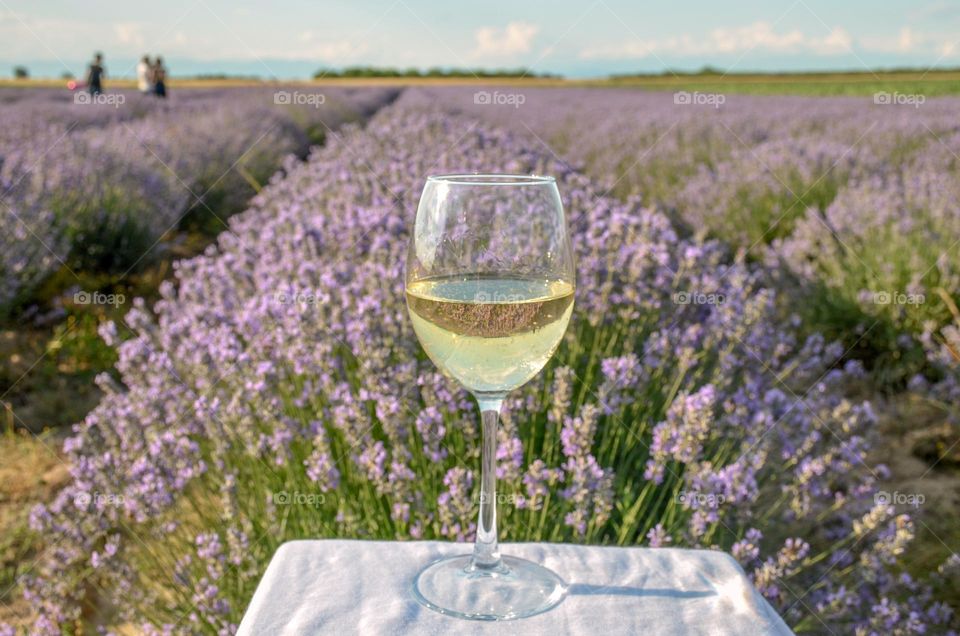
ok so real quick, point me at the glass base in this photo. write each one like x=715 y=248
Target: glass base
x=516 y=589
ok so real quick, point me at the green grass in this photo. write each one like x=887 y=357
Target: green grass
x=930 y=83
x=30 y=471
x=866 y=83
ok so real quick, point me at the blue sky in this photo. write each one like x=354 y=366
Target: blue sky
x=292 y=38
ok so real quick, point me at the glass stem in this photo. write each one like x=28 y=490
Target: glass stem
x=486 y=551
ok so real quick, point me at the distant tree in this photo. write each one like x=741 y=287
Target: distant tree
x=369 y=71
x=21 y=72
x=67 y=75
x=220 y=77
x=436 y=71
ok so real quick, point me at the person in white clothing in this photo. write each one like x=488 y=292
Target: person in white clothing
x=145 y=76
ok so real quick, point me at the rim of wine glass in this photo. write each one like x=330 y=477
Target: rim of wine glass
x=492 y=179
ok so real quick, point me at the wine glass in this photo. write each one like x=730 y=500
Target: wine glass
x=489 y=287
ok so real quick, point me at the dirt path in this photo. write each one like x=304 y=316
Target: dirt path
x=922 y=450
x=31 y=472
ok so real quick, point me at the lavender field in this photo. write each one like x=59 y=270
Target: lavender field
x=96 y=185
x=757 y=283
x=857 y=203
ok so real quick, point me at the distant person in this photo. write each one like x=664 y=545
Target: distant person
x=159 y=78
x=145 y=76
x=95 y=75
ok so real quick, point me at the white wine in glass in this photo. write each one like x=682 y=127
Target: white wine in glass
x=490 y=333
x=490 y=290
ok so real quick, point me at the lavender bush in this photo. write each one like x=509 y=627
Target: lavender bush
x=885 y=254
x=96 y=186
x=943 y=351
x=277 y=391
x=748 y=206
x=639 y=142
x=853 y=204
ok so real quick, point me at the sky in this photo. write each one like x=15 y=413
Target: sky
x=289 y=39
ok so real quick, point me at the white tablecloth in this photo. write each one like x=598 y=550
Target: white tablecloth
x=364 y=587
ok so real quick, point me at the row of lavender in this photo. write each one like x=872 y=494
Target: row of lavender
x=857 y=203
x=29 y=111
x=280 y=393
x=95 y=185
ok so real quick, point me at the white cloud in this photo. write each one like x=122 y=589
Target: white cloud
x=907 y=39
x=313 y=45
x=760 y=36
x=340 y=51
x=838 y=41
x=129 y=33
x=516 y=37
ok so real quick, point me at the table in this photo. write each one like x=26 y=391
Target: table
x=364 y=587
